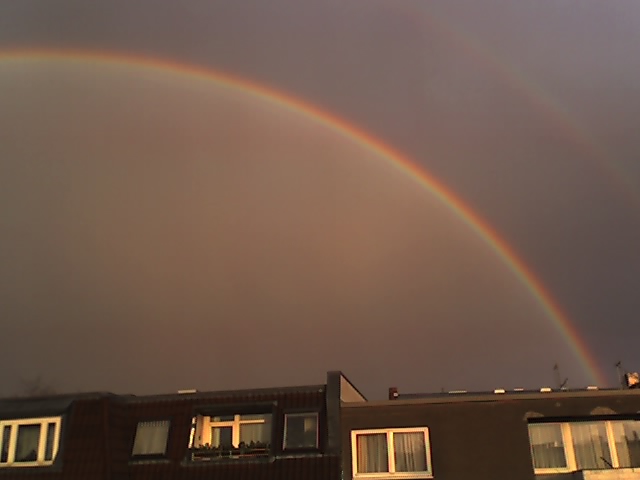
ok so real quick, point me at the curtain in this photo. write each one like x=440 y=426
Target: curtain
x=372 y=453
x=627 y=435
x=410 y=452
x=547 y=446
x=27 y=444
x=255 y=432
x=591 y=445
x=151 y=438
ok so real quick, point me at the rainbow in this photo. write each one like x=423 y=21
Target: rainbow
x=538 y=99
x=399 y=161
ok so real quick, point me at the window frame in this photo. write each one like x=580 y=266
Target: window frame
x=391 y=473
x=568 y=444
x=207 y=424
x=145 y=456
x=43 y=422
x=308 y=413
x=200 y=448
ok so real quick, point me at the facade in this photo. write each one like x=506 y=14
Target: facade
x=499 y=435
x=278 y=433
x=323 y=432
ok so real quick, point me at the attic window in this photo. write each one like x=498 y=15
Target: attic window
x=151 y=438
x=300 y=431
x=29 y=442
x=237 y=435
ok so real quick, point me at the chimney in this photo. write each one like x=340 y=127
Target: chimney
x=393 y=393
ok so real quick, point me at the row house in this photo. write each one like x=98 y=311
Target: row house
x=273 y=433
x=499 y=435
x=327 y=431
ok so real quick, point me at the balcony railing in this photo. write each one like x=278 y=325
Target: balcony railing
x=212 y=453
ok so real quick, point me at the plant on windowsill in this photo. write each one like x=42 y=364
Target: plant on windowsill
x=212 y=452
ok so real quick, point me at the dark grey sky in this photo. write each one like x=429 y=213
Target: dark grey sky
x=159 y=232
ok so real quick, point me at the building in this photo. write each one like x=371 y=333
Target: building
x=500 y=435
x=274 y=433
x=324 y=432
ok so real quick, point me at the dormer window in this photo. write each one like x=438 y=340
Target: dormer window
x=29 y=442
x=237 y=435
x=300 y=431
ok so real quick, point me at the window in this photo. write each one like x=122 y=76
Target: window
x=300 y=430
x=151 y=438
x=391 y=453
x=590 y=445
x=230 y=435
x=29 y=442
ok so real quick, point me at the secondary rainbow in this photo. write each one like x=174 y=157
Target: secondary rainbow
x=490 y=237
x=537 y=97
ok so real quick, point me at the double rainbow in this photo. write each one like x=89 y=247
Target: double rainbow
x=455 y=205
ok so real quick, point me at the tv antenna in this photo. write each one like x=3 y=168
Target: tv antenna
x=562 y=384
x=620 y=370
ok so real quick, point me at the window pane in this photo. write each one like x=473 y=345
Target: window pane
x=27 y=443
x=151 y=438
x=4 y=453
x=627 y=435
x=301 y=431
x=372 y=453
x=51 y=436
x=256 y=433
x=547 y=447
x=591 y=445
x=410 y=452
x=222 y=437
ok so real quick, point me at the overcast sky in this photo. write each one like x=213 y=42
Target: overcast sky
x=159 y=231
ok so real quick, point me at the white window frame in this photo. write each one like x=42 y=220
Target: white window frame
x=389 y=432
x=569 y=451
x=567 y=444
x=42 y=441
x=204 y=424
x=301 y=414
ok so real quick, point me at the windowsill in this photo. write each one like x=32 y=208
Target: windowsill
x=390 y=476
x=301 y=451
x=228 y=460
x=26 y=465
x=148 y=460
x=206 y=455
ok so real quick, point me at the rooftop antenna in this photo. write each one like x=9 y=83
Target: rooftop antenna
x=621 y=373
x=562 y=384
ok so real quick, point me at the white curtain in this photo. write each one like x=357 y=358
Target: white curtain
x=151 y=438
x=27 y=444
x=410 y=452
x=255 y=432
x=547 y=446
x=372 y=453
x=591 y=445
x=627 y=435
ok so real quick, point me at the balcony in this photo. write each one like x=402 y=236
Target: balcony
x=243 y=451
